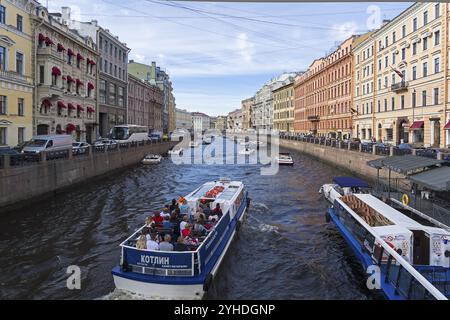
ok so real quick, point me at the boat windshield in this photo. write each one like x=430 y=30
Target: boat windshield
x=37 y=143
x=120 y=133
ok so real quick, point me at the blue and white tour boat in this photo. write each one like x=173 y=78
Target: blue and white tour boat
x=185 y=274
x=412 y=258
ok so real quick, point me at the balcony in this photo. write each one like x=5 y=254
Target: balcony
x=50 y=52
x=400 y=86
x=313 y=118
x=16 y=77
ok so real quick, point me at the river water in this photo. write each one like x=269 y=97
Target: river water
x=284 y=250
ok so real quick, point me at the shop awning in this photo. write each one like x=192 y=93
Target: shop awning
x=90 y=109
x=417 y=125
x=435 y=180
x=406 y=164
x=46 y=103
x=80 y=108
x=56 y=71
x=71 y=106
x=61 y=105
x=447 y=126
x=79 y=82
x=80 y=57
x=60 y=47
x=70 y=127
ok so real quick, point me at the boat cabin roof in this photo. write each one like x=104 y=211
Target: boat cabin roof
x=231 y=188
x=396 y=216
x=350 y=182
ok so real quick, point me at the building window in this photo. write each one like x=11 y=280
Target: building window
x=379 y=84
x=2 y=14
x=115 y=71
x=403 y=54
x=392 y=103
x=386 y=41
x=437 y=11
x=385 y=82
x=389 y=134
x=110 y=68
x=386 y=61
x=20 y=107
x=2 y=136
x=437 y=37
x=414 y=24
x=112 y=94
x=436 y=65
x=3 y=105
x=424 y=98
x=120 y=102
x=414 y=72
x=19 y=63
x=41 y=74
x=20 y=135
x=2 y=58
x=110 y=49
x=402 y=101
x=102 y=91
x=106 y=66
x=393 y=57
x=425 y=17
x=425 y=43
x=385 y=105
x=379 y=106
x=100 y=43
x=425 y=69
x=414 y=48
x=403 y=31
x=436 y=96
x=393 y=37
x=413 y=98
x=19 y=23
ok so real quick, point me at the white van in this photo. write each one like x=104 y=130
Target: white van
x=57 y=142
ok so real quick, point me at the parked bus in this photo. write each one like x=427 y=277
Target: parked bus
x=129 y=133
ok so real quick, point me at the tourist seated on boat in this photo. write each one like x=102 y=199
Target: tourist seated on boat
x=186 y=232
x=182 y=204
x=166 y=223
x=165 y=211
x=166 y=245
x=149 y=223
x=174 y=205
x=209 y=225
x=180 y=245
x=157 y=218
x=217 y=211
x=141 y=244
x=207 y=210
x=152 y=244
x=184 y=222
x=177 y=214
x=199 y=228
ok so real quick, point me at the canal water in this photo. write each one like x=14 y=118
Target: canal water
x=284 y=250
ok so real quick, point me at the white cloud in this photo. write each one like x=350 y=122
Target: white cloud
x=245 y=49
x=344 y=30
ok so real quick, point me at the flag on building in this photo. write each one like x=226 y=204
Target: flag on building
x=400 y=74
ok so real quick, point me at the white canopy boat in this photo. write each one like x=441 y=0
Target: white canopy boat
x=185 y=274
x=343 y=186
x=285 y=159
x=152 y=159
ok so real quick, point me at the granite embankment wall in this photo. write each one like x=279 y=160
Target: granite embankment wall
x=29 y=182
x=350 y=160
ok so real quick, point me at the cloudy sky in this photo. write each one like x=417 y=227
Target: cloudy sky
x=218 y=54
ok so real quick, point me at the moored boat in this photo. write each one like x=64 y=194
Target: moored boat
x=185 y=274
x=176 y=151
x=285 y=159
x=247 y=151
x=151 y=159
x=412 y=259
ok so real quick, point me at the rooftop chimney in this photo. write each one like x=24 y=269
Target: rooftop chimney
x=65 y=13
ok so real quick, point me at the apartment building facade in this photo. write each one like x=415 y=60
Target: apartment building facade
x=235 y=120
x=183 y=119
x=66 y=78
x=283 y=105
x=145 y=103
x=323 y=94
x=16 y=71
x=401 y=86
x=246 y=106
x=200 y=122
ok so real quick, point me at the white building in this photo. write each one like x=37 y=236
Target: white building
x=183 y=119
x=201 y=121
x=262 y=108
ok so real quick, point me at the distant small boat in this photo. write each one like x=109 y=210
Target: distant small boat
x=151 y=159
x=343 y=186
x=193 y=144
x=176 y=151
x=247 y=151
x=285 y=159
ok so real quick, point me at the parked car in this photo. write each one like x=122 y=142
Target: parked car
x=105 y=142
x=7 y=150
x=47 y=143
x=80 y=147
x=155 y=136
x=20 y=146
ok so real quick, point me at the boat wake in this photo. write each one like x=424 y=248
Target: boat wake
x=261 y=226
x=118 y=294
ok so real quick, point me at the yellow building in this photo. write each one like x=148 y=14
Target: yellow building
x=400 y=79
x=283 y=105
x=16 y=81
x=172 y=116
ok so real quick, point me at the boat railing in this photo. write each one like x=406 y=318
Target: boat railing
x=407 y=281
